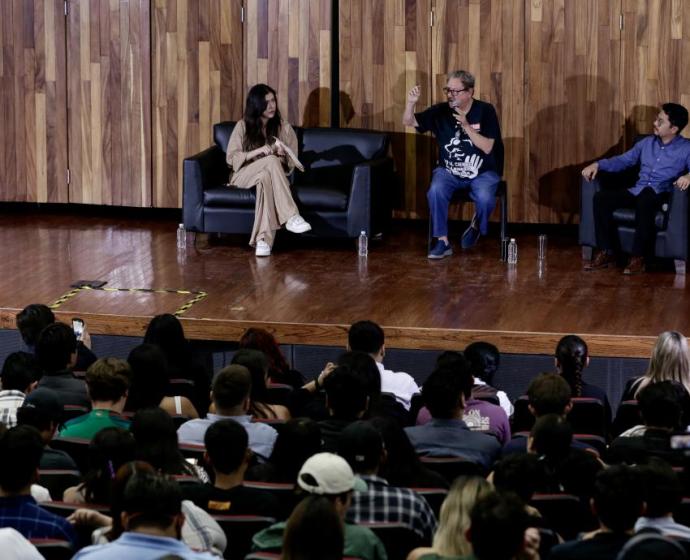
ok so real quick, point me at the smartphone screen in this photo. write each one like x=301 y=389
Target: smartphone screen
x=78 y=327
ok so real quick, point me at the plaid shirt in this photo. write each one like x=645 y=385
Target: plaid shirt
x=26 y=516
x=382 y=503
x=10 y=401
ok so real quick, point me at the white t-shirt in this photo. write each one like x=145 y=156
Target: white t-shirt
x=400 y=384
x=15 y=547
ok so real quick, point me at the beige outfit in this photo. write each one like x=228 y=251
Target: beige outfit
x=274 y=203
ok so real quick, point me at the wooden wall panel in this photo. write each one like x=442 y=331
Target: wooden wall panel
x=288 y=46
x=656 y=54
x=486 y=38
x=385 y=51
x=33 y=152
x=109 y=102
x=573 y=102
x=197 y=81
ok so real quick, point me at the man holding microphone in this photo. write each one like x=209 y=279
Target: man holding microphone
x=470 y=156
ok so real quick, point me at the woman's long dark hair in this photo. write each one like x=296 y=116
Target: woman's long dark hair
x=255 y=106
x=571 y=354
x=156 y=437
x=108 y=451
x=150 y=377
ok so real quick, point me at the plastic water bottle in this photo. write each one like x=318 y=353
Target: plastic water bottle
x=181 y=237
x=363 y=244
x=512 y=251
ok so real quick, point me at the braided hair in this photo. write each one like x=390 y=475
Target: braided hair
x=571 y=354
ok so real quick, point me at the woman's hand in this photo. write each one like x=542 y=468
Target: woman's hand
x=264 y=150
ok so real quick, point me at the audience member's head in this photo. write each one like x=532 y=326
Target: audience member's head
x=669 y=361
x=549 y=393
x=662 y=489
x=402 y=466
x=264 y=341
x=150 y=377
x=361 y=445
x=457 y=363
x=450 y=538
x=314 y=531
x=298 y=439
x=327 y=474
x=346 y=394
x=166 y=332
x=107 y=381
x=231 y=390
x=20 y=372
x=108 y=451
x=32 y=320
x=578 y=473
x=571 y=359
x=493 y=515
x=551 y=438
x=119 y=483
x=444 y=393
x=660 y=404
x=157 y=444
x=21 y=448
x=257 y=364
x=42 y=410
x=484 y=360
x=227 y=447
x=366 y=336
x=152 y=503
x=617 y=499
x=520 y=473
x=365 y=366
x=56 y=348
x=677 y=115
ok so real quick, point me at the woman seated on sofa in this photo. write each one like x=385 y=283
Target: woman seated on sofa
x=258 y=159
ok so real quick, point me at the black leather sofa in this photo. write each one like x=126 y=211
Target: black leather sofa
x=346 y=187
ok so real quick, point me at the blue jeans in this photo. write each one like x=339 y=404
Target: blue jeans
x=444 y=184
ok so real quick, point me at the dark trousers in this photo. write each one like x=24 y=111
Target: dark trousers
x=646 y=205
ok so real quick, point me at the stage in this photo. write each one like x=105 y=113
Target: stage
x=310 y=290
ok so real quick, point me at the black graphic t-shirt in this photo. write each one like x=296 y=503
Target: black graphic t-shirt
x=457 y=153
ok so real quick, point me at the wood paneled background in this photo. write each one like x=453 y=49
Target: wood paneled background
x=108 y=100
x=146 y=79
x=288 y=46
x=33 y=104
x=197 y=81
x=384 y=51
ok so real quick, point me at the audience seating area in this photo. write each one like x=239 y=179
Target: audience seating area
x=562 y=515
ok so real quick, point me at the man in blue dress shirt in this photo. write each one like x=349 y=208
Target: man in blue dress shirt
x=152 y=518
x=663 y=158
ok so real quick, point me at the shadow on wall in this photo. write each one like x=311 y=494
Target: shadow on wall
x=317 y=109
x=564 y=138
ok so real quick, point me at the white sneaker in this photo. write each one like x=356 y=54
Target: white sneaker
x=296 y=224
x=263 y=249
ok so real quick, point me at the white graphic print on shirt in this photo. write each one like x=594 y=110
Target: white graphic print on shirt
x=463 y=164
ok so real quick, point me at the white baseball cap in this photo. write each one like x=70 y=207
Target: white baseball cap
x=329 y=474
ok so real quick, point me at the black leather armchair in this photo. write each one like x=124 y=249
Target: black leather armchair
x=346 y=186
x=671 y=222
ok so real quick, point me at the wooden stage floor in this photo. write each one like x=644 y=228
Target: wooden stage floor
x=310 y=290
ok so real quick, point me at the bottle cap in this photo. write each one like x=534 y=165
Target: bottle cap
x=362 y=232
x=180 y=225
x=512 y=240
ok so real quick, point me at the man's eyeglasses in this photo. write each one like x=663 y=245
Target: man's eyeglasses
x=453 y=91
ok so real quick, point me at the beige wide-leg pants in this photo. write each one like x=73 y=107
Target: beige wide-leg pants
x=274 y=203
